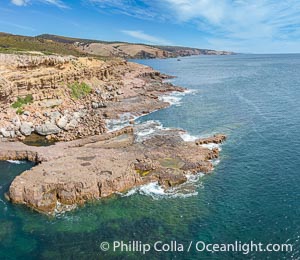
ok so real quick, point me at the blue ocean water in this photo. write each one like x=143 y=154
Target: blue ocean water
x=252 y=195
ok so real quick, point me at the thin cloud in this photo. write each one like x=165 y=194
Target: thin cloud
x=19 y=2
x=238 y=22
x=140 y=35
x=144 y=9
x=57 y=3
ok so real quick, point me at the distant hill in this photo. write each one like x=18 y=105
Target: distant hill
x=47 y=43
x=17 y=43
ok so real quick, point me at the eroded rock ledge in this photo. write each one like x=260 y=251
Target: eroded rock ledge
x=112 y=88
x=72 y=173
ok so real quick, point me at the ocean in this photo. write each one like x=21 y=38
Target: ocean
x=252 y=196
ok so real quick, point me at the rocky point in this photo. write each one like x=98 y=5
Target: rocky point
x=70 y=100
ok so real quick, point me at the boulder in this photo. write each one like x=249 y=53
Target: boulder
x=77 y=115
x=96 y=105
x=16 y=122
x=12 y=134
x=26 y=128
x=54 y=116
x=62 y=122
x=72 y=124
x=4 y=133
x=47 y=129
x=50 y=103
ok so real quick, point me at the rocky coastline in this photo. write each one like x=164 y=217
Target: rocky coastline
x=70 y=101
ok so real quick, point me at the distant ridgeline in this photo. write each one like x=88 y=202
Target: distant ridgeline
x=54 y=44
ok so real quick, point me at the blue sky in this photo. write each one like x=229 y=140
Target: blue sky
x=256 y=26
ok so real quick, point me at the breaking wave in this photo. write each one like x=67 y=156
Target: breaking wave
x=117 y=124
x=175 y=98
x=212 y=146
x=147 y=129
x=156 y=192
x=188 y=137
x=191 y=138
x=15 y=161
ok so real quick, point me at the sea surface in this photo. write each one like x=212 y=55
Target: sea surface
x=252 y=195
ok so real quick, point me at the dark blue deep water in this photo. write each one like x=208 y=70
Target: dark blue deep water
x=252 y=195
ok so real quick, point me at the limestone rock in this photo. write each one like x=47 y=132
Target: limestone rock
x=72 y=124
x=26 y=128
x=62 y=122
x=116 y=87
x=47 y=129
x=16 y=122
x=96 y=105
x=5 y=133
x=50 y=103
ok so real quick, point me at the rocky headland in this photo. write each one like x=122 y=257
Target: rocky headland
x=70 y=100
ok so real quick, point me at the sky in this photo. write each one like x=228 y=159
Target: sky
x=247 y=26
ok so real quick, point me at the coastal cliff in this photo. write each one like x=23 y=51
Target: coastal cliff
x=72 y=100
x=64 y=97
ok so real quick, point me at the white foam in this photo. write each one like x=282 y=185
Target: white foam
x=152 y=189
x=117 y=124
x=171 y=99
x=174 y=98
x=212 y=146
x=128 y=193
x=215 y=162
x=187 y=137
x=60 y=208
x=192 y=138
x=156 y=192
x=146 y=132
x=15 y=161
x=147 y=129
x=191 y=91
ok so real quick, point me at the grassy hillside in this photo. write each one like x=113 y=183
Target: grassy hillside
x=55 y=44
x=15 y=43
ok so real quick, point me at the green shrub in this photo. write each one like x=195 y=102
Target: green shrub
x=22 y=101
x=20 y=111
x=79 y=90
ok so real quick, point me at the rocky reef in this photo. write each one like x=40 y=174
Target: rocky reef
x=71 y=173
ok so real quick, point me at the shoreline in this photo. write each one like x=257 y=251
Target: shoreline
x=77 y=170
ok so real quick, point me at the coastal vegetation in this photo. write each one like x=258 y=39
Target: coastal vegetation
x=21 y=102
x=15 y=43
x=79 y=90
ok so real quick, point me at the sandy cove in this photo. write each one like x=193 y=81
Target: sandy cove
x=99 y=163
